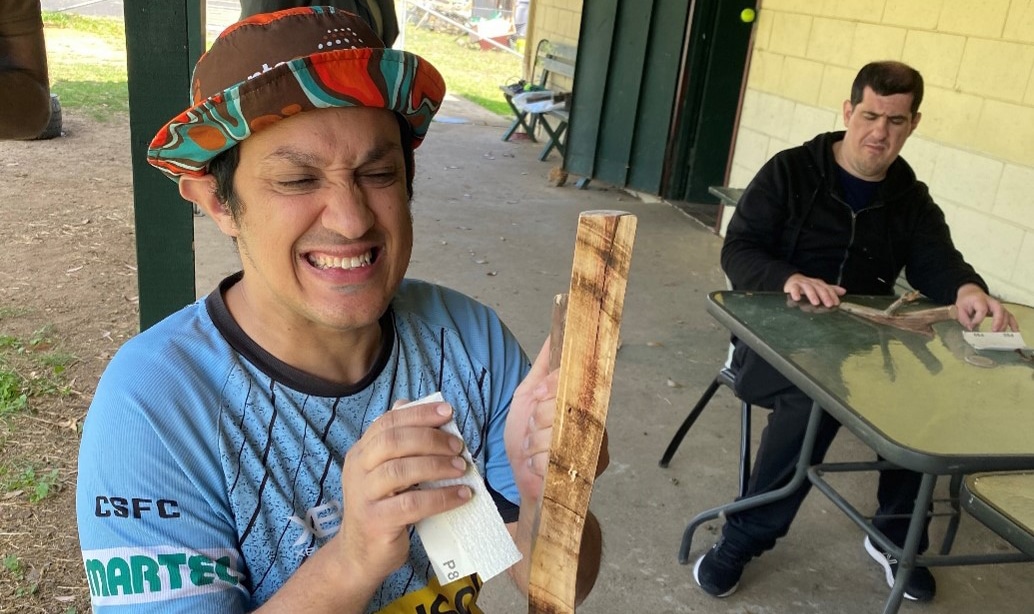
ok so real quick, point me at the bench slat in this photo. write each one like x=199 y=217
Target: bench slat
x=561 y=66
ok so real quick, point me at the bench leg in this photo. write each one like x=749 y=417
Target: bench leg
x=555 y=138
x=519 y=121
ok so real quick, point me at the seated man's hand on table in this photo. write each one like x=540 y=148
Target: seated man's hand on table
x=529 y=427
x=972 y=305
x=816 y=291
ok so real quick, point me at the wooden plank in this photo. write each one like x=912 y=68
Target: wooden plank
x=602 y=255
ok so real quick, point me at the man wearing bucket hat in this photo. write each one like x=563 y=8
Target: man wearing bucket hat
x=265 y=470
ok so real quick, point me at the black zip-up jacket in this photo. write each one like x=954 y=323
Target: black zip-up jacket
x=792 y=218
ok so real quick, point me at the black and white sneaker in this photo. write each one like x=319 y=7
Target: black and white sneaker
x=718 y=571
x=921 y=584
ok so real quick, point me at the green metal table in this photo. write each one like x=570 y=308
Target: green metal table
x=1005 y=503
x=932 y=404
x=728 y=196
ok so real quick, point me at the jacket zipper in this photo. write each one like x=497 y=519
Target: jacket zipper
x=850 y=242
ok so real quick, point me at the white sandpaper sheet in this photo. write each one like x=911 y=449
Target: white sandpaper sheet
x=471 y=538
x=995 y=341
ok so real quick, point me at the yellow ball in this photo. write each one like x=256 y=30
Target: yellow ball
x=747 y=15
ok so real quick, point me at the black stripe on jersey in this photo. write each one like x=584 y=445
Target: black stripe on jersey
x=484 y=403
x=240 y=450
x=287 y=524
x=397 y=343
x=323 y=440
x=326 y=470
x=265 y=457
x=441 y=355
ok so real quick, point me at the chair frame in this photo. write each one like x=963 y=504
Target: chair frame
x=726 y=377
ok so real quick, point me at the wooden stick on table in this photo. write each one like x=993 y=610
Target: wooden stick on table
x=603 y=252
x=920 y=321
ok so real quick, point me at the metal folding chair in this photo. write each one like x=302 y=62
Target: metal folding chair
x=726 y=377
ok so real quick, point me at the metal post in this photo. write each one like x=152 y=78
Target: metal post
x=163 y=42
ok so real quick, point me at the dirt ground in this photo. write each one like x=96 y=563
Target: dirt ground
x=67 y=262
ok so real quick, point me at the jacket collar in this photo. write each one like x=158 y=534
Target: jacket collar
x=900 y=176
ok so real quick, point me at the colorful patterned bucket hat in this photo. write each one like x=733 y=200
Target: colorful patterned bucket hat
x=274 y=65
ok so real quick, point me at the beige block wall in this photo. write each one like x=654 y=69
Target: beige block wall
x=974 y=144
x=554 y=20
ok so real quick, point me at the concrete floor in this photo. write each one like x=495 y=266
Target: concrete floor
x=487 y=223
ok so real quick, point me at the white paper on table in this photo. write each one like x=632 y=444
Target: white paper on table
x=471 y=538
x=995 y=341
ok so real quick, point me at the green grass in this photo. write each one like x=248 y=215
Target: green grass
x=469 y=72
x=92 y=80
x=108 y=28
x=30 y=368
x=38 y=485
x=16 y=568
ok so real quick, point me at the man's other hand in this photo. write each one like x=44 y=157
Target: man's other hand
x=529 y=427
x=973 y=305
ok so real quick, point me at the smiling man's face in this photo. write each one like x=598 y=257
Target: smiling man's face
x=324 y=228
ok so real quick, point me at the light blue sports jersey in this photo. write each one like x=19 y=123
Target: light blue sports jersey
x=209 y=470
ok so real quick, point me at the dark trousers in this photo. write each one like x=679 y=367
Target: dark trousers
x=757 y=530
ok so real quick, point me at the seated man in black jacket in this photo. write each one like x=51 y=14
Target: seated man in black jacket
x=841 y=213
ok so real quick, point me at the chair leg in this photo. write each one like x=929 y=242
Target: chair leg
x=688 y=422
x=744 y=447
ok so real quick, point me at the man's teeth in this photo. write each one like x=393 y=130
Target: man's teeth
x=354 y=262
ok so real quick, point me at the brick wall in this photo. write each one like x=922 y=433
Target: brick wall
x=975 y=143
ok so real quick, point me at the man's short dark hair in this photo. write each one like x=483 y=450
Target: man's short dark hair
x=224 y=166
x=887 y=78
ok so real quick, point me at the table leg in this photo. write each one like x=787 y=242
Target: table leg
x=956 y=513
x=907 y=556
x=801 y=474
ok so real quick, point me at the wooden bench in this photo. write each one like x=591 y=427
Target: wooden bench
x=540 y=102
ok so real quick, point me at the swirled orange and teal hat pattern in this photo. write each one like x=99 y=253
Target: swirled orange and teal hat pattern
x=272 y=66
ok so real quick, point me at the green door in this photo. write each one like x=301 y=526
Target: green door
x=709 y=98
x=624 y=90
x=653 y=93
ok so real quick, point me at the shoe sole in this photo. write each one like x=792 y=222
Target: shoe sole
x=880 y=558
x=696 y=578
